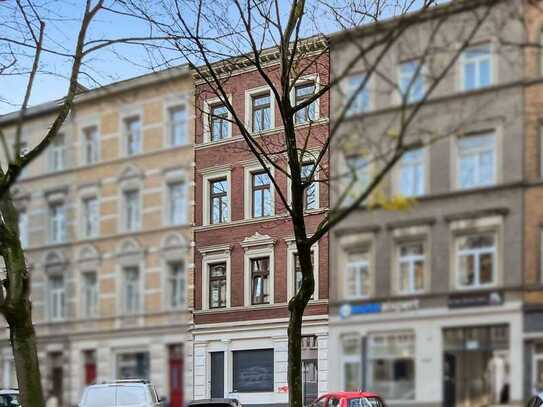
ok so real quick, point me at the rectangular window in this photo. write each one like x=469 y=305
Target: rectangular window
x=133 y=365
x=391 y=366
x=412 y=84
x=261 y=108
x=253 y=371
x=537 y=363
x=89 y=294
x=358 y=178
x=177 y=207
x=56 y=298
x=411 y=264
x=357 y=93
x=57 y=151
x=412 y=174
x=57 y=222
x=217 y=285
x=131 y=290
x=218 y=201
x=260 y=271
x=261 y=194
x=302 y=93
x=311 y=199
x=219 y=125
x=357 y=276
x=133 y=135
x=132 y=210
x=476 y=161
x=91 y=145
x=23 y=228
x=352 y=362
x=477 y=67
x=91 y=217
x=476 y=260
x=178 y=125
x=176 y=282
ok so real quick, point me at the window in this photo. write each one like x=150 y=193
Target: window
x=477 y=67
x=476 y=260
x=176 y=282
x=177 y=207
x=91 y=217
x=537 y=363
x=302 y=93
x=391 y=366
x=357 y=279
x=219 y=125
x=134 y=365
x=132 y=210
x=91 y=145
x=89 y=294
x=411 y=174
x=352 y=362
x=357 y=90
x=260 y=271
x=23 y=228
x=311 y=198
x=56 y=297
x=476 y=161
x=358 y=180
x=261 y=108
x=218 y=200
x=261 y=194
x=57 y=151
x=178 y=125
x=217 y=285
x=298 y=272
x=412 y=84
x=131 y=290
x=253 y=371
x=411 y=263
x=133 y=135
x=57 y=222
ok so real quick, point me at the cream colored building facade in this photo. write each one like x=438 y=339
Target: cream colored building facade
x=106 y=218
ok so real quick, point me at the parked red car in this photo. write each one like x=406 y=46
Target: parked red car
x=349 y=399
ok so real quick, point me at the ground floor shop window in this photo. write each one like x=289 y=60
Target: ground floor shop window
x=351 y=362
x=133 y=365
x=391 y=365
x=253 y=371
x=537 y=363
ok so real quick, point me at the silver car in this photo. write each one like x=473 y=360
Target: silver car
x=126 y=393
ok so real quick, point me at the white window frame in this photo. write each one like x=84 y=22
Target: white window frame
x=315 y=181
x=84 y=291
x=486 y=225
x=141 y=291
x=210 y=176
x=497 y=158
x=423 y=72
x=367 y=263
x=169 y=107
x=248 y=196
x=352 y=243
x=136 y=116
x=291 y=251
x=411 y=259
x=57 y=295
x=54 y=223
x=535 y=358
x=254 y=249
x=57 y=153
x=493 y=66
x=397 y=174
x=350 y=359
x=349 y=91
x=84 y=214
x=210 y=256
x=170 y=266
x=249 y=95
x=208 y=105
x=124 y=202
x=95 y=147
x=170 y=203
x=302 y=81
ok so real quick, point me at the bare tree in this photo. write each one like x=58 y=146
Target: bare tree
x=24 y=43
x=285 y=42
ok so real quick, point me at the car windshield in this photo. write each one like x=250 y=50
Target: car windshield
x=131 y=395
x=100 y=396
x=9 y=400
x=365 y=402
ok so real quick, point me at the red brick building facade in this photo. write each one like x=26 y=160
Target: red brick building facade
x=245 y=255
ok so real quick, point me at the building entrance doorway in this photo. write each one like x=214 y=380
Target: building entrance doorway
x=476 y=366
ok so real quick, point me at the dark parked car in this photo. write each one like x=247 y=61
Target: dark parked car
x=214 y=403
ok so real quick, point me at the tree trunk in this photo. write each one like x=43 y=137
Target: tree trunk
x=295 y=358
x=23 y=343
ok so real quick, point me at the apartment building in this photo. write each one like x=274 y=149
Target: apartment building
x=106 y=221
x=245 y=254
x=426 y=303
